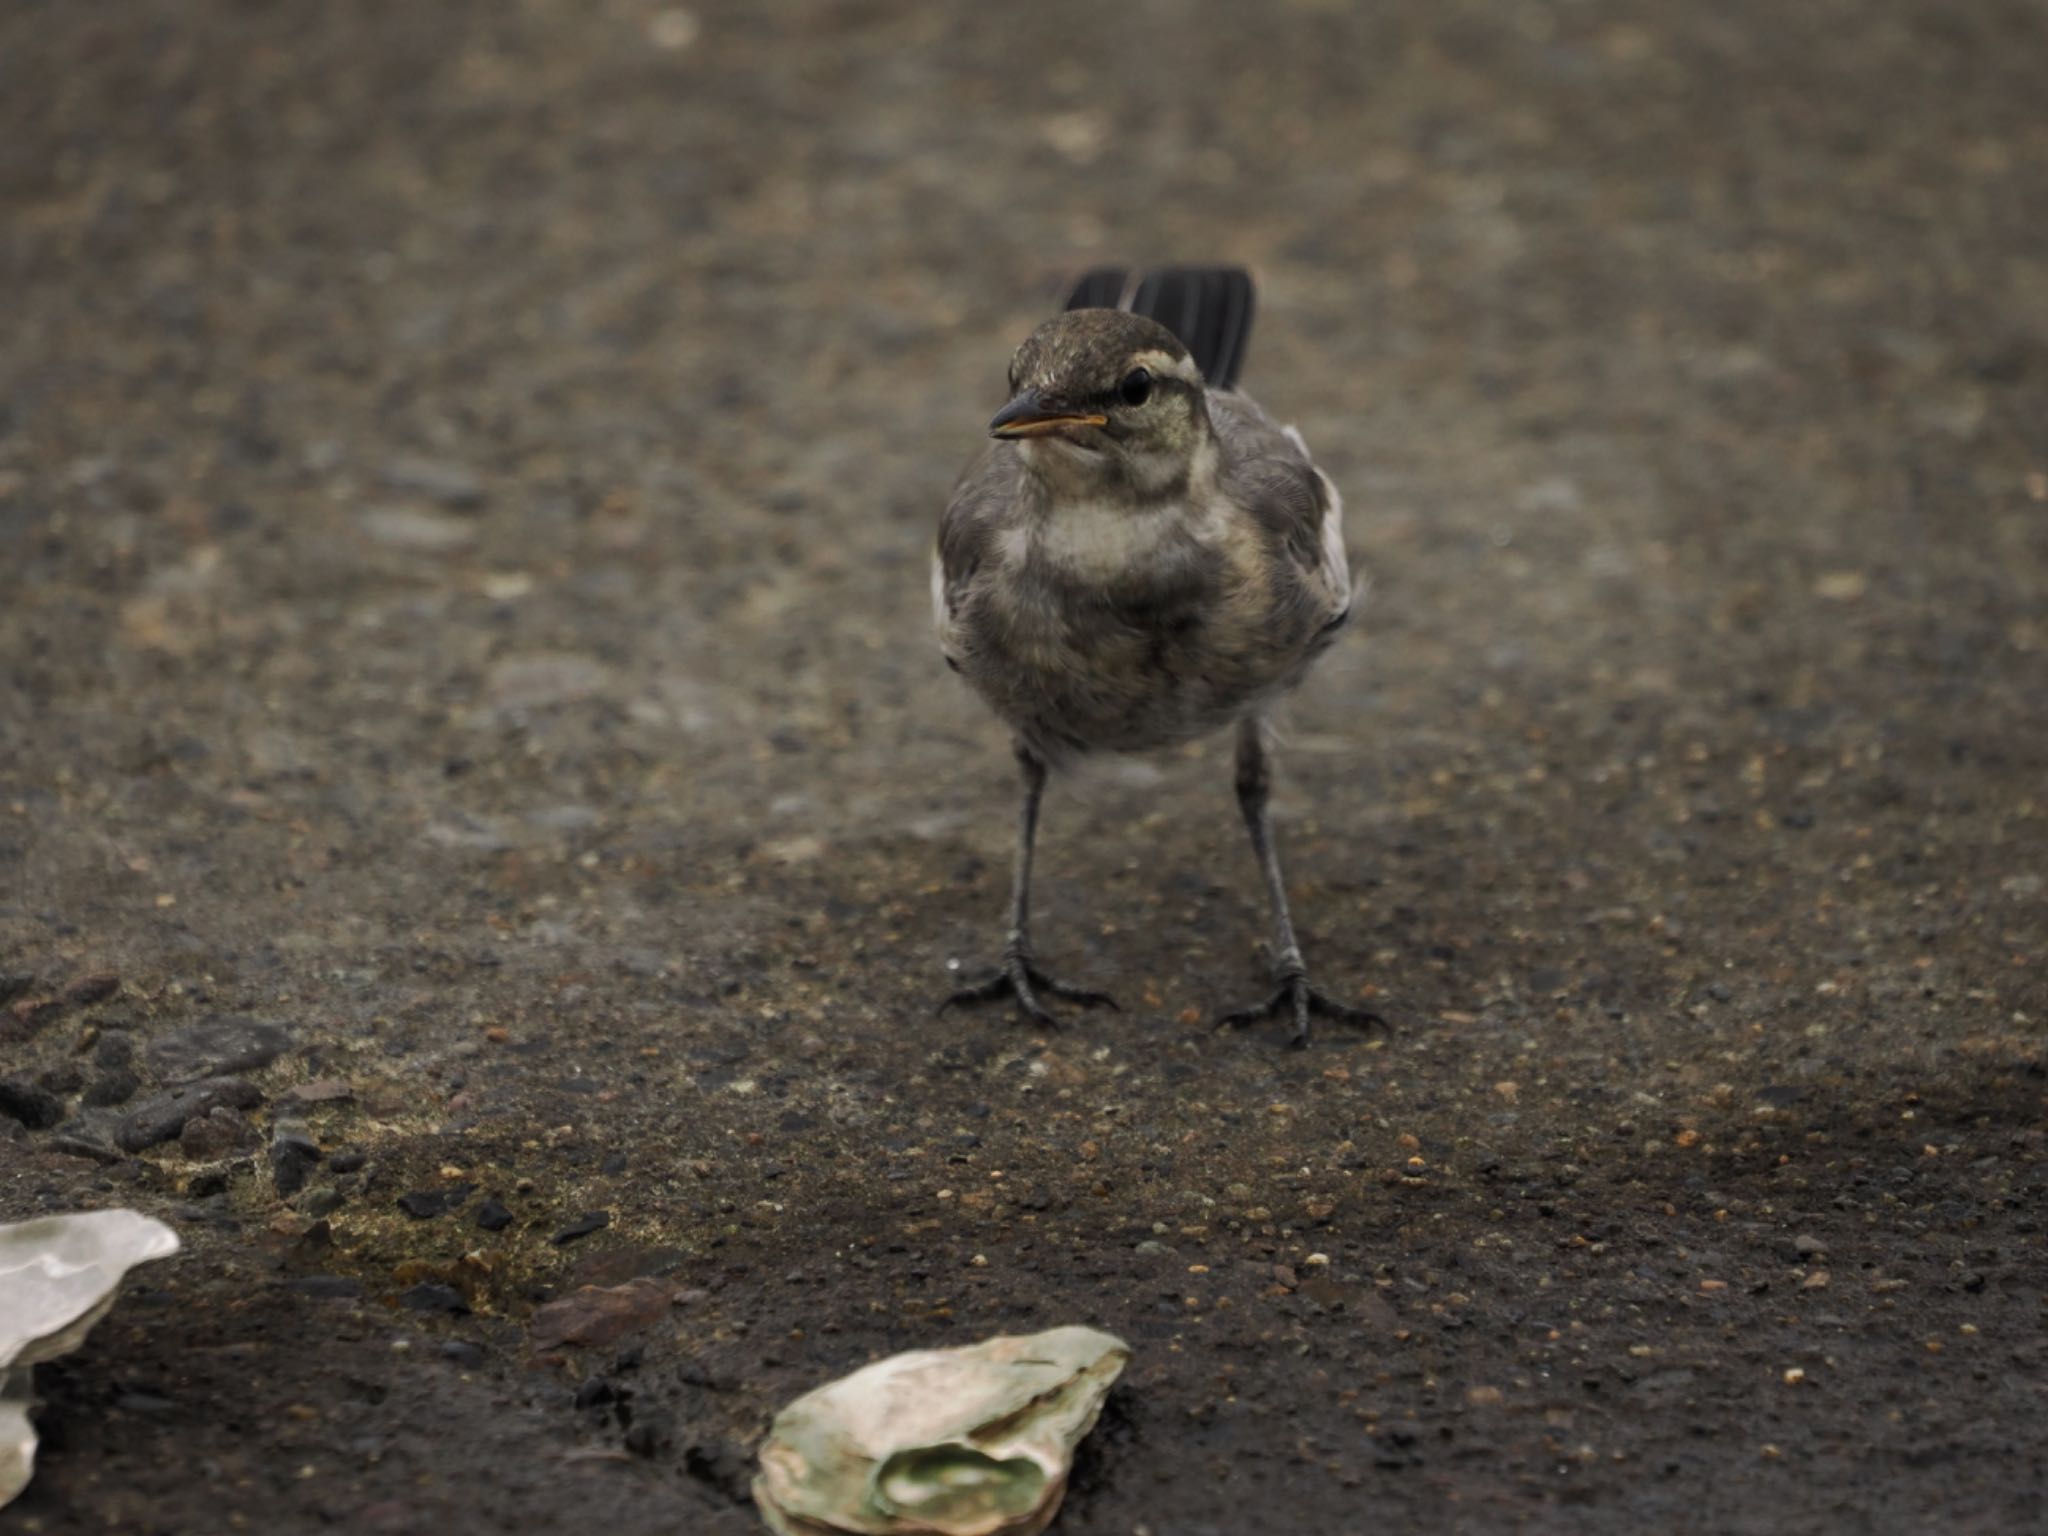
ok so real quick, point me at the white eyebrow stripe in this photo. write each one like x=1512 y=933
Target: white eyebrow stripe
x=1182 y=368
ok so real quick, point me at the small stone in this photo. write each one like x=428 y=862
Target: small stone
x=321 y=1200
x=115 y=1085
x=594 y=1315
x=442 y=480
x=321 y=1090
x=463 y=1353
x=1840 y=586
x=493 y=1215
x=87 y=990
x=1808 y=1247
x=426 y=1204
x=35 y=1107
x=673 y=29
x=583 y=1226
x=64 y=1079
x=89 y=1135
x=539 y=681
x=349 y=1161
x=425 y=533
x=1817 y=1281
x=209 y=1137
x=1485 y=1397
x=30 y=1016
x=294 y=1154
x=650 y=1432
x=207 y=1183
x=162 y=1117
x=430 y=1296
x=114 y=1049
x=216 y=1048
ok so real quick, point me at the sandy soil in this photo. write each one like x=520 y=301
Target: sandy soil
x=466 y=478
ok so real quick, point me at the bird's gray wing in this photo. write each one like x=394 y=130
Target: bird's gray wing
x=1267 y=471
x=986 y=499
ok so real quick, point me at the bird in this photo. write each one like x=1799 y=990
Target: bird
x=1139 y=557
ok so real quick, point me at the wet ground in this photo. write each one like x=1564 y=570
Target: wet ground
x=466 y=478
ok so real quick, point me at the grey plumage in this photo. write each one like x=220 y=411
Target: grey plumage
x=1136 y=560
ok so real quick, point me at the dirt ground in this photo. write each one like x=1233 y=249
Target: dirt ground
x=466 y=479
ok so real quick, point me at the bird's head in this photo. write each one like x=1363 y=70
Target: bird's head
x=1103 y=394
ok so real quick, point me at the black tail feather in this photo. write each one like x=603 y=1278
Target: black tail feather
x=1208 y=308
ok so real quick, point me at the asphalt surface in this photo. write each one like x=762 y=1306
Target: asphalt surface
x=467 y=474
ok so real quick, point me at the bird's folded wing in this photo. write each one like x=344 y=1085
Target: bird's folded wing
x=1268 y=472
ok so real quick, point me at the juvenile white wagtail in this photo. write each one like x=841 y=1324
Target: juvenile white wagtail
x=1140 y=557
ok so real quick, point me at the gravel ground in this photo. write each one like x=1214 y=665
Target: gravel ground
x=466 y=479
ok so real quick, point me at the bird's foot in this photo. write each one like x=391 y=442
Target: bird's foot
x=1298 y=999
x=1021 y=979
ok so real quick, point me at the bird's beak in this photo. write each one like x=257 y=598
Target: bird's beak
x=1031 y=415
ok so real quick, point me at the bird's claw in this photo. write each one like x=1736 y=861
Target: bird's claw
x=1020 y=979
x=1298 y=998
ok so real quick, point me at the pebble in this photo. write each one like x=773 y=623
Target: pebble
x=426 y=1204
x=294 y=1154
x=537 y=681
x=35 y=1107
x=321 y=1200
x=207 y=1183
x=347 y=1162
x=216 y=1048
x=462 y=1352
x=442 y=480
x=321 y=1090
x=650 y=1432
x=116 y=1085
x=209 y=1137
x=87 y=990
x=493 y=1215
x=163 y=1116
x=1805 y=1246
x=89 y=1135
x=114 y=1049
x=427 y=533
x=583 y=1226
x=431 y=1296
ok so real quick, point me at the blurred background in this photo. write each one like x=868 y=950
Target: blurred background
x=467 y=473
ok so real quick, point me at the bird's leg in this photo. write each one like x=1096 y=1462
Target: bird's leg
x=1295 y=996
x=1019 y=976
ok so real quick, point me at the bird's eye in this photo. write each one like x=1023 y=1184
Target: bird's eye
x=1136 y=388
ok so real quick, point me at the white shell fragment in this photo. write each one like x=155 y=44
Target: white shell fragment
x=940 y=1442
x=58 y=1276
